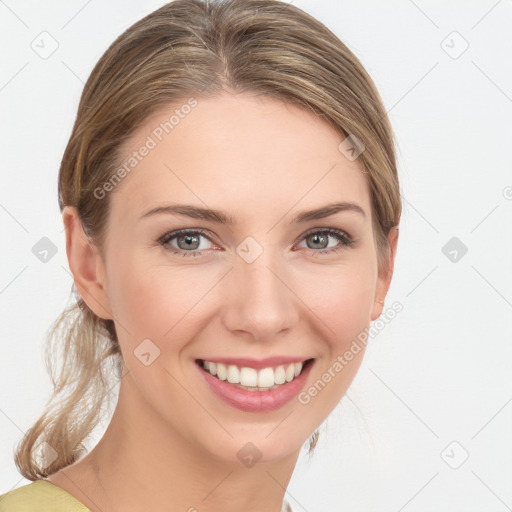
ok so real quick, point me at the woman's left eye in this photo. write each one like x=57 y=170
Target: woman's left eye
x=188 y=243
x=321 y=237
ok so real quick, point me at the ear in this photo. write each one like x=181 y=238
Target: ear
x=384 y=278
x=86 y=264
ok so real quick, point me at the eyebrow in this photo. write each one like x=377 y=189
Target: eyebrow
x=220 y=217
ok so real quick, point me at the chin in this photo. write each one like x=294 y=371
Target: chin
x=258 y=445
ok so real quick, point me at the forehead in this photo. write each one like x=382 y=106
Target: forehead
x=240 y=153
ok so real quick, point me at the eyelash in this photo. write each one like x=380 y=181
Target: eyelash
x=346 y=241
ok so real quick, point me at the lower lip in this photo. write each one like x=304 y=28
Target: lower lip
x=256 y=401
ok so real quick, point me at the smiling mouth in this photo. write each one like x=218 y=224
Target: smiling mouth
x=252 y=379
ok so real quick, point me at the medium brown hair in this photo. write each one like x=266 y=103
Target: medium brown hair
x=189 y=48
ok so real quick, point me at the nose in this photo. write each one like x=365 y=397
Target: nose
x=259 y=300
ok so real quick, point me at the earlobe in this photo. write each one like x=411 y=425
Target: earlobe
x=384 y=279
x=86 y=264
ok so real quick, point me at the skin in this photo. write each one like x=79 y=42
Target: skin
x=171 y=440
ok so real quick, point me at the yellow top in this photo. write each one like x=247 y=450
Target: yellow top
x=40 y=496
x=43 y=496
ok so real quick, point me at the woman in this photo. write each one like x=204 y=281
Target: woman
x=231 y=205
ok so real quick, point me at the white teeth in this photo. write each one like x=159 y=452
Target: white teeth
x=280 y=375
x=250 y=377
x=233 y=374
x=266 y=378
x=221 y=371
x=290 y=372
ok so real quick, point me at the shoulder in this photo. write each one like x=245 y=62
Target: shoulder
x=40 y=496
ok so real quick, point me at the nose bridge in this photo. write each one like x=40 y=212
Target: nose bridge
x=260 y=302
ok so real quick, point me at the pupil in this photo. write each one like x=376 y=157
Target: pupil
x=319 y=239
x=189 y=239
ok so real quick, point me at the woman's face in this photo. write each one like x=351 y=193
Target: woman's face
x=274 y=282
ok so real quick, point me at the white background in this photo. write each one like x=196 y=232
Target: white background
x=440 y=371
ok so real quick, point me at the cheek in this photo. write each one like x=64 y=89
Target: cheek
x=342 y=298
x=342 y=302
x=156 y=302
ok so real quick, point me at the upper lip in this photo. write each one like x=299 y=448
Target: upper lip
x=257 y=364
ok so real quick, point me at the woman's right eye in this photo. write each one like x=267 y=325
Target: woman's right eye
x=187 y=242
